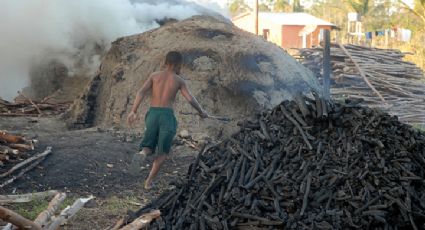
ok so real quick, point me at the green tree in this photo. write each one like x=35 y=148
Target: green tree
x=238 y=6
x=361 y=7
x=263 y=7
x=296 y=6
x=281 y=6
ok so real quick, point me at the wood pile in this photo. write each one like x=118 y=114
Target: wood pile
x=24 y=106
x=12 y=147
x=17 y=157
x=400 y=83
x=306 y=164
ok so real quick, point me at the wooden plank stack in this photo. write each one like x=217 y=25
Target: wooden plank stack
x=401 y=83
x=24 y=106
x=304 y=165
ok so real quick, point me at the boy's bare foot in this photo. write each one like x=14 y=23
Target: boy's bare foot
x=137 y=162
x=148 y=185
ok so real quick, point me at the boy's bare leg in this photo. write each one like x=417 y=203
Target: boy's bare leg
x=138 y=160
x=156 y=166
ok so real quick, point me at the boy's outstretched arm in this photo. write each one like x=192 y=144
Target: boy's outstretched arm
x=141 y=94
x=192 y=100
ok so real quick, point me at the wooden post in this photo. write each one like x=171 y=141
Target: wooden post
x=327 y=64
x=256 y=16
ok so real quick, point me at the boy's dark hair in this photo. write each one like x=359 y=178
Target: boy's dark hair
x=174 y=58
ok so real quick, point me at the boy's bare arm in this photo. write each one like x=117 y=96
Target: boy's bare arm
x=192 y=100
x=141 y=94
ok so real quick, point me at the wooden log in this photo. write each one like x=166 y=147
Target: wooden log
x=143 y=221
x=118 y=224
x=68 y=213
x=43 y=218
x=17 y=220
x=23 y=198
x=9 y=138
x=22 y=147
x=27 y=161
x=7 y=150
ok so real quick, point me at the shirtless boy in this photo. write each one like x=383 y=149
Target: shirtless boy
x=160 y=122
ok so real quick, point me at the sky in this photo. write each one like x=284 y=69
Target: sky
x=223 y=3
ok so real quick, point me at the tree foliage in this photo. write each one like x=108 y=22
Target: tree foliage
x=296 y=6
x=238 y=6
x=281 y=6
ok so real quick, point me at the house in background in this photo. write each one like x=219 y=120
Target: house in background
x=288 y=30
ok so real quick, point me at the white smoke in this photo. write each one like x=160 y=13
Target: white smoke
x=70 y=31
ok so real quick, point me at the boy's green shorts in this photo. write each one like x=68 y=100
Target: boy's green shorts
x=161 y=126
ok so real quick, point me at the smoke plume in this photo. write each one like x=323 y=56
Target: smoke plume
x=74 y=33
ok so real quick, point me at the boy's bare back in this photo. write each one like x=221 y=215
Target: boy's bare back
x=165 y=86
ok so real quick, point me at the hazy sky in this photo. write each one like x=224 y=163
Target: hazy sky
x=223 y=3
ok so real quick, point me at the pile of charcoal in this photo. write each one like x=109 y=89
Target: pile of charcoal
x=307 y=164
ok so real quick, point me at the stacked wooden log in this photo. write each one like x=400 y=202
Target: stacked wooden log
x=304 y=165
x=400 y=83
x=24 y=106
x=13 y=146
x=17 y=157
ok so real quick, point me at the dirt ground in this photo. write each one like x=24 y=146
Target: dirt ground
x=92 y=162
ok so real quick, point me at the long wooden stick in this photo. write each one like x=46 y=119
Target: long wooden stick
x=143 y=221
x=54 y=204
x=22 y=172
x=17 y=220
x=362 y=74
x=68 y=212
x=27 y=161
x=32 y=103
x=22 y=198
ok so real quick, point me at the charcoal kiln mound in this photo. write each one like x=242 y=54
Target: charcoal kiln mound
x=231 y=72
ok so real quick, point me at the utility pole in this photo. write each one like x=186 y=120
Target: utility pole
x=256 y=16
